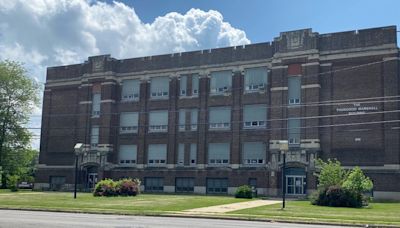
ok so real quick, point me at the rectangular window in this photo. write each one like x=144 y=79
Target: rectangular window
x=193 y=119
x=157 y=155
x=255 y=116
x=182 y=120
x=159 y=88
x=195 y=85
x=154 y=184
x=294 y=131
x=130 y=90
x=221 y=82
x=184 y=184
x=128 y=122
x=254 y=153
x=183 y=86
x=158 y=121
x=253 y=182
x=181 y=154
x=57 y=182
x=255 y=79
x=220 y=118
x=217 y=185
x=218 y=154
x=193 y=154
x=294 y=90
x=96 y=99
x=127 y=154
x=94 y=137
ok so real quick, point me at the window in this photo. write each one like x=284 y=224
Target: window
x=159 y=88
x=294 y=131
x=158 y=121
x=253 y=153
x=128 y=122
x=255 y=116
x=157 y=155
x=253 y=182
x=127 y=154
x=96 y=99
x=94 y=137
x=195 y=85
x=130 y=90
x=182 y=119
x=193 y=119
x=294 y=90
x=217 y=185
x=218 y=153
x=57 y=182
x=193 y=154
x=184 y=184
x=181 y=154
x=183 y=86
x=220 y=118
x=154 y=184
x=255 y=79
x=221 y=82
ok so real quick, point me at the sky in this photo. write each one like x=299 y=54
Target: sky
x=43 y=33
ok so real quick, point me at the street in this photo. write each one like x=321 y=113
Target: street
x=23 y=219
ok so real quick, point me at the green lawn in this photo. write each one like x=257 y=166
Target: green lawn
x=85 y=202
x=387 y=213
x=375 y=213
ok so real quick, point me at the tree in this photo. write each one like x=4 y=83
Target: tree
x=340 y=188
x=331 y=173
x=357 y=181
x=18 y=96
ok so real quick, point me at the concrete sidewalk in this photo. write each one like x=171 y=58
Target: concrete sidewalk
x=231 y=207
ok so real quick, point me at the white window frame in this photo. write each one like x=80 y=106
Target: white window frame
x=127 y=162
x=158 y=128
x=96 y=113
x=159 y=94
x=130 y=96
x=221 y=125
x=128 y=129
x=157 y=161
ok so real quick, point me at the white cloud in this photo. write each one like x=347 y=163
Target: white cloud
x=44 y=33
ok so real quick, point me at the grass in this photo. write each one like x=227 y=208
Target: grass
x=375 y=213
x=378 y=213
x=149 y=204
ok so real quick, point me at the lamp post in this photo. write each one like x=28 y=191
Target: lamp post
x=283 y=147
x=77 y=149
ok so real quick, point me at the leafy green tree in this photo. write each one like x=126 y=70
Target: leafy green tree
x=357 y=181
x=18 y=96
x=331 y=173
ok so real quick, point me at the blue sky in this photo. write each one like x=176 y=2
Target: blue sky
x=44 y=33
x=262 y=20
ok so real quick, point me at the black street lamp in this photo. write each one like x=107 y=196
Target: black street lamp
x=77 y=149
x=283 y=179
x=283 y=147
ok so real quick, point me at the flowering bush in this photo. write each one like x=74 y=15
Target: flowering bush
x=123 y=187
x=106 y=187
x=128 y=187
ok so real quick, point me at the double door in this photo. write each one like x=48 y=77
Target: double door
x=295 y=185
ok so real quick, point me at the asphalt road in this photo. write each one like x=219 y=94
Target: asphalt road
x=22 y=219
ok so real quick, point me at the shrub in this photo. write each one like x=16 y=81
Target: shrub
x=244 y=191
x=331 y=174
x=128 y=187
x=106 y=187
x=339 y=188
x=12 y=182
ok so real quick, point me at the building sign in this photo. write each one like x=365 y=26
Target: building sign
x=357 y=108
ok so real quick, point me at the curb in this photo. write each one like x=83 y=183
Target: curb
x=200 y=216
